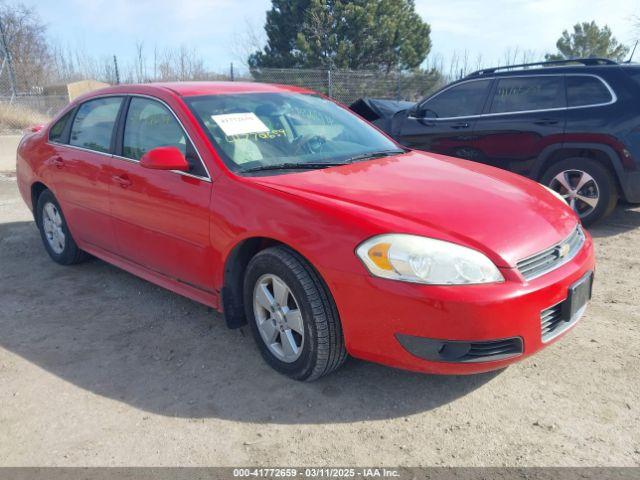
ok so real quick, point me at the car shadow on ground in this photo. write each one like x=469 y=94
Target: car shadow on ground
x=624 y=218
x=110 y=333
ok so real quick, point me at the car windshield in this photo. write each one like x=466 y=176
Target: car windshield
x=271 y=131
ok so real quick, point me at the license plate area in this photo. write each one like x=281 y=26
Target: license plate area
x=578 y=296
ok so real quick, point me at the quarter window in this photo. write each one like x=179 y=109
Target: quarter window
x=57 y=130
x=93 y=125
x=460 y=101
x=518 y=94
x=583 y=90
x=150 y=125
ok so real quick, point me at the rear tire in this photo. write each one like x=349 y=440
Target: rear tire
x=597 y=194
x=297 y=308
x=55 y=233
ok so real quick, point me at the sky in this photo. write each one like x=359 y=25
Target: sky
x=216 y=28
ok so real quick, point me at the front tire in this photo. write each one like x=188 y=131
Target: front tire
x=587 y=186
x=292 y=315
x=55 y=233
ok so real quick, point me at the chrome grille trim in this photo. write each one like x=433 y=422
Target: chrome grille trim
x=552 y=258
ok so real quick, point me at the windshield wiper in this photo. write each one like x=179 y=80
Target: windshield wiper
x=292 y=166
x=370 y=155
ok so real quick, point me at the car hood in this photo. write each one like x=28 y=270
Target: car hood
x=506 y=216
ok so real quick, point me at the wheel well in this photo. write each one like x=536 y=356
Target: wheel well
x=36 y=189
x=233 y=284
x=592 y=153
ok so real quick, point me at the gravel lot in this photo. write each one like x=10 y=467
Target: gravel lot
x=98 y=367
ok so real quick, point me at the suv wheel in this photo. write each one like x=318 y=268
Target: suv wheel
x=292 y=315
x=55 y=234
x=587 y=186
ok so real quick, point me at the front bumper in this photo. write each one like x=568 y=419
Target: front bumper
x=376 y=313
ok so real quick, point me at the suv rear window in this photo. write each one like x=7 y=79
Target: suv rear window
x=583 y=90
x=460 y=101
x=518 y=94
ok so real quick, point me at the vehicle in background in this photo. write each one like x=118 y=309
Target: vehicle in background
x=572 y=125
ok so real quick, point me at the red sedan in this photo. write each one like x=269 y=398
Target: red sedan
x=284 y=210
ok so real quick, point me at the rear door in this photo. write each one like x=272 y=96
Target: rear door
x=444 y=122
x=161 y=218
x=524 y=115
x=81 y=162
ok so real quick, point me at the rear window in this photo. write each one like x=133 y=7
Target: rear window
x=460 y=101
x=583 y=90
x=57 y=130
x=93 y=125
x=518 y=94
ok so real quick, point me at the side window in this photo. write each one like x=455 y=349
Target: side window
x=583 y=90
x=93 y=126
x=150 y=124
x=519 y=94
x=459 y=101
x=56 y=131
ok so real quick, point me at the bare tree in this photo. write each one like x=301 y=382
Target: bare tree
x=24 y=34
x=249 y=39
x=140 y=64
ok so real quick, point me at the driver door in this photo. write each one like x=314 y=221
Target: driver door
x=444 y=123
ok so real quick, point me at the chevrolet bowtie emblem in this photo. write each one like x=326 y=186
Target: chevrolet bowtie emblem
x=563 y=251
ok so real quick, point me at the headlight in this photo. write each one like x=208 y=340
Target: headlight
x=411 y=258
x=556 y=194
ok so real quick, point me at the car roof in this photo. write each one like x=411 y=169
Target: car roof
x=572 y=69
x=189 y=89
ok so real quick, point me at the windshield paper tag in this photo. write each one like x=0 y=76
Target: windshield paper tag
x=239 y=123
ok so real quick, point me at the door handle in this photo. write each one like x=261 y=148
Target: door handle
x=460 y=125
x=546 y=121
x=57 y=162
x=122 y=180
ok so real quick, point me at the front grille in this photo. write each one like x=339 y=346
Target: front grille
x=493 y=350
x=550 y=321
x=552 y=258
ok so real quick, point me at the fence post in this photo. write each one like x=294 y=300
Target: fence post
x=9 y=61
x=117 y=72
x=329 y=84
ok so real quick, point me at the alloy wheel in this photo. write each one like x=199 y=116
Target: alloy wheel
x=278 y=317
x=52 y=225
x=579 y=189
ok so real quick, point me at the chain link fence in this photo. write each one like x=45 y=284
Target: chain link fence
x=347 y=86
x=24 y=109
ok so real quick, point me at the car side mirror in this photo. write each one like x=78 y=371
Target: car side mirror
x=165 y=158
x=422 y=112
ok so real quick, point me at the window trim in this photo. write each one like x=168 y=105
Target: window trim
x=614 y=97
x=120 y=131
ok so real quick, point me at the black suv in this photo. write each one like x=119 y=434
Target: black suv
x=573 y=126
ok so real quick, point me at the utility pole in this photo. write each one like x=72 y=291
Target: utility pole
x=115 y=64
x=231 y=76
x=8 y=60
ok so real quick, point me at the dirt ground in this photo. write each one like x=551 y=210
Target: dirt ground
x=98 y=367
